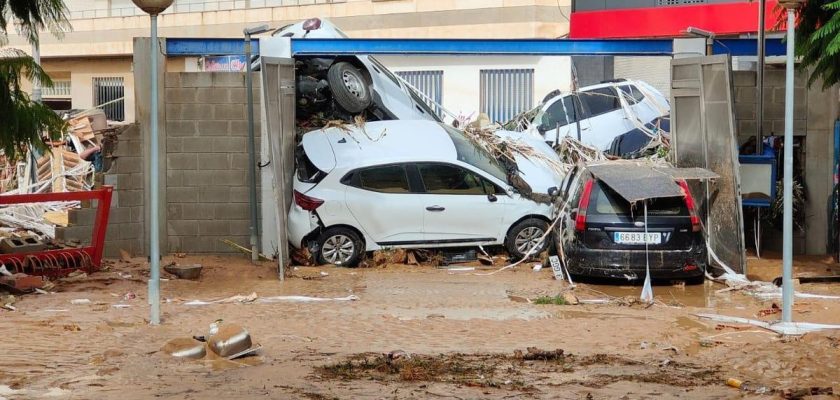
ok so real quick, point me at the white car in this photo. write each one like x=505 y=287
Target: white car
x=599 y=114
x=411 y=184
x=344 y=86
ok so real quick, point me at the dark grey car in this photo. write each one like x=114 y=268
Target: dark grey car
x=605 y=235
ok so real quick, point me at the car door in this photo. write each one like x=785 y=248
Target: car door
x=383 y=204
x=460 y=205
x=605 y=117
x=561 y=118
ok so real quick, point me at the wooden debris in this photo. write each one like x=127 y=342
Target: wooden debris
x=534 y=353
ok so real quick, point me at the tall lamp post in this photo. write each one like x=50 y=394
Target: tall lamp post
x=252 y=157
x=787 y=231
x=153 y=8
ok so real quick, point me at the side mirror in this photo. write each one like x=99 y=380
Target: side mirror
x=492 y=198
x=553 y=191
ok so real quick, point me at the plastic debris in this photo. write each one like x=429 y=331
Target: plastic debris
x=78 y=302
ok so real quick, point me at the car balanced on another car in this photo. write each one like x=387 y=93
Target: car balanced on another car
x=407 y=184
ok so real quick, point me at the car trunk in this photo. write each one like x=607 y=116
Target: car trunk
x=612 y=223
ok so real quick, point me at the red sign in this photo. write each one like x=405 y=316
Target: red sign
x=724 y=19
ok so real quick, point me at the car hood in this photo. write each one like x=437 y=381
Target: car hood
x=538 y=172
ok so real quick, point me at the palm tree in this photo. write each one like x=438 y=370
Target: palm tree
x=23 y=121
x=818 y=40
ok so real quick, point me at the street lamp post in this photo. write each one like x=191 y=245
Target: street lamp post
x=153 y=8
x=252 y=158
x=787 y=231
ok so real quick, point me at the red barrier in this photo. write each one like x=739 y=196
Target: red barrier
x=54 y=263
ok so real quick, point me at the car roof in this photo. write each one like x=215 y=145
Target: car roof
x=379 y=142
x=328 y=30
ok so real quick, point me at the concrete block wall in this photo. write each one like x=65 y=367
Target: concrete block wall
x=125 y=223
x=815 y=111
x=774 y=102
x=207 y=160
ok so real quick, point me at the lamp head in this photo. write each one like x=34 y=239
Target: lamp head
x=153 y=7
x=791 y=4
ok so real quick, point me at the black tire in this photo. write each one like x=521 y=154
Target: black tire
x=340 y=246
x=349 y=87
x=532 y=228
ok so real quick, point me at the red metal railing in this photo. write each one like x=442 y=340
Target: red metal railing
x=61 y=262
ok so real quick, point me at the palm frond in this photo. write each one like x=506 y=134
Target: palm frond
x=32 y=16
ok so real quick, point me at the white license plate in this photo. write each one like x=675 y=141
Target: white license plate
x=637 y=237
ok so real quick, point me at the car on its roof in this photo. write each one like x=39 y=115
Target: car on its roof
x=343 y=86
x=409 y=184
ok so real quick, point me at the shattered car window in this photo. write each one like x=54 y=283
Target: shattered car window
x=306 y=170
x=600 y=101
x=608 y=202
x=475 y=156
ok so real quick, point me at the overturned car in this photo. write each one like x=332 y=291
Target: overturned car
x=343 y=87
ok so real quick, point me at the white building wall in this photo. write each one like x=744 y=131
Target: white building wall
x=461 y=75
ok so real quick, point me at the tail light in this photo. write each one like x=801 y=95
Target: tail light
x=580 y=219
x=306 y=202
x=312 y=24
x=691 y=205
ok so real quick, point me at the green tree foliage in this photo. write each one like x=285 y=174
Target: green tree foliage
x=23 y=121
x=818 y=40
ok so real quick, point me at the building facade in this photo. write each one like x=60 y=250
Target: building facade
x=92 y=64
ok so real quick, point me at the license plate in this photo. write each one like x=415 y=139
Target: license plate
x=637 y=237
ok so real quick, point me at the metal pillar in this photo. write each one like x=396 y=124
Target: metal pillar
x=252 y=158
x=154 y=235
x=787 y=258
x=759 y=81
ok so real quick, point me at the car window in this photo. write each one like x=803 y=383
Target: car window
x=560 y=113
x=306 y=170
x=470 y=153
x=607 y=201
x=634 y=95
x=386 y=179
x=600 y=101
x=451 y=179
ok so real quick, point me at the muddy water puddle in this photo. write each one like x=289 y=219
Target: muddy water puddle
x=702 y=295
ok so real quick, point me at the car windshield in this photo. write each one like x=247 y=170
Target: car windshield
x=473 y=155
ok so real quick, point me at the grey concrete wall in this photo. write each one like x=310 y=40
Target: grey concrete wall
x=125 y=174
x=207 y=161
x=815 y=111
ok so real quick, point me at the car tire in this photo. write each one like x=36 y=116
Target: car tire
x=525 y=231
x=340 y=246
x=349 y=87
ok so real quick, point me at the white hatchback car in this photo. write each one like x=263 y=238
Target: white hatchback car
x=595 y=114
x=411 y=184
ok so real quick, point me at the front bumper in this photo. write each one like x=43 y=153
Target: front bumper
x=630 y=264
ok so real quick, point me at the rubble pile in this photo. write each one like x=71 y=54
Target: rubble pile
x=66 y=165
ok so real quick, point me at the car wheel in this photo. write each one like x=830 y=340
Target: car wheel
x=526 y=235
x=349 y=87
x=340 y=246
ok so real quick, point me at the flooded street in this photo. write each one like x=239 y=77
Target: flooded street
x=456 y=334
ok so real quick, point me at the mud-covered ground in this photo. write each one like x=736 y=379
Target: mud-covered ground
x=414 y=332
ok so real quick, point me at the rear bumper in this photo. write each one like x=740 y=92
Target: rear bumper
x=301 y=224
x=630 y=264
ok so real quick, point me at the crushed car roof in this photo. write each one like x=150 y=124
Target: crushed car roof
x=636 y=182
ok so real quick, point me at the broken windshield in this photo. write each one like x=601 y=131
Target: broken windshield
x=473 y=155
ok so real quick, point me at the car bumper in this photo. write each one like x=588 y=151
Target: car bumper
x=631 y=264
x=300 y=225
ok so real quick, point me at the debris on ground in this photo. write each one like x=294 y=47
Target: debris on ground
x=227 y=341
x=533 y=353
x=189 y=272
x=245 y=250
x=253 y=298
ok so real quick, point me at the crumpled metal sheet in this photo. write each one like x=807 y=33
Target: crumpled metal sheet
x=636 y=182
